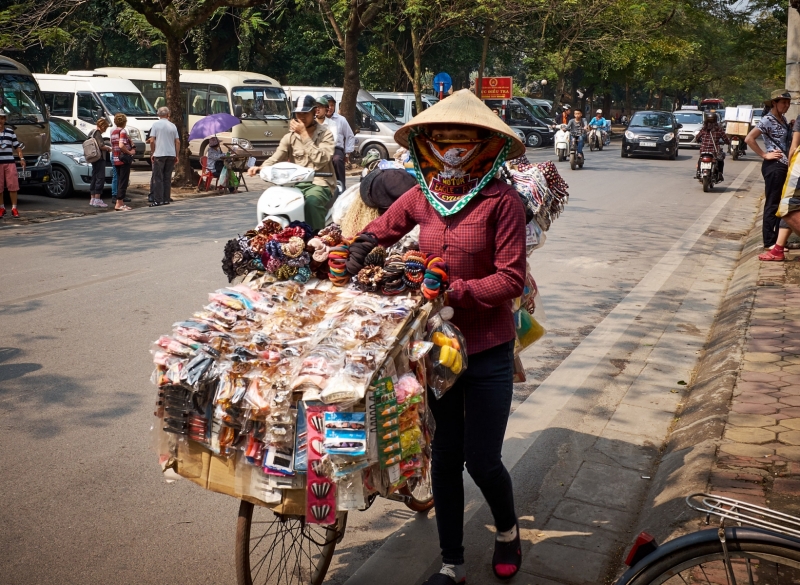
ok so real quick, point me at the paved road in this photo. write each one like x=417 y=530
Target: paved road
x=80 y=301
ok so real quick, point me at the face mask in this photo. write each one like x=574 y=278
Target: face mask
x=451 y=173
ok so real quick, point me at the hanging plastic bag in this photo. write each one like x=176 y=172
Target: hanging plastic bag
x=447 y=360
x=529 y=317
x=233 y=180
x=223 y=177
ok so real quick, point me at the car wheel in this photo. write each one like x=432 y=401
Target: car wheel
x=378 y=149
x=533 y=140
x=60 y=185
x=624 y=154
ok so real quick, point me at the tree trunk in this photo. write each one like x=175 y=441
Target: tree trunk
x=559 y=91
x=649 y=100
x=484 y=53
x=183 y=170
x=352 y=82
x=628 y=106
x=417 y=81
x=607 y=104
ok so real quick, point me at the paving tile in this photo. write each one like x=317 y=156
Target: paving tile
x=785 y=485
x=609 y=486
x=563 y=564
x=790 y=400
x=745 y=450
x=777 y=429
x=752 y=435
x=751 y=420
x=756 y=398
x=792 y=423
x=749 y=408
x=779 y=384
x=791 y=452
x=595 y=516
x=792 y=358
x=761 y=367
x=759 y=377
x=790 y=378
x=581 y=536
x=794 y=369
x=790 y=437
x=792 y=411
x=761 y=357
x=645 y=422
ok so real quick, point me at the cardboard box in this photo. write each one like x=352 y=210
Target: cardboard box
x=737 y=128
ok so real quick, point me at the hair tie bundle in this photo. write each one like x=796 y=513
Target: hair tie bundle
x=294 y=247
x=302 y=260
x=337 y=265
x=273 y=264
x=370 y=278
x=393 y=271
x=359 y=249
x=275 y=250
x=435 y=279
x=303 y=274
x=415 y=269
x=308 y=231
x=288 y=233
x=376 y=257
x=286 y=272
x=319 y=251
x=331 y=235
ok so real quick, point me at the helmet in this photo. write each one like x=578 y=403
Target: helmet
x=599 y=112
x=563 y=127
x=709 y=117
x=567 y=107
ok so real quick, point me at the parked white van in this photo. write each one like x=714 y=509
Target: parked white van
x=403 y=105
x=84 y=100
x=376 y=126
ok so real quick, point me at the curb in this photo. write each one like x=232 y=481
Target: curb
x=690 y=450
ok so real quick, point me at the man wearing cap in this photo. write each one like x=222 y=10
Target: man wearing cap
x=777 y=135
x=476 y=224
x=598 y=124
x=311 y=145
x=8 y=167
x=345 y=139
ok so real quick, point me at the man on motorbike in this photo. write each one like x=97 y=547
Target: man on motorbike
x=598 y=125
x=566 y=114
x=709 y=138
x=311 y=145
x=577 y=127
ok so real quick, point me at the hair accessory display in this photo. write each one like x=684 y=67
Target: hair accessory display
x=337 y=265
x=360 y=247
x=415 y=262
x=393 y=271
x=319 y=250
x=331 y=235
x=435 y=280
x=376 y=257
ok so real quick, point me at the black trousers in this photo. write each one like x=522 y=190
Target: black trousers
x=98 y=180
x=124 y=174
x=338 y=165
x=774 y=173
x=162 y=178
x=471 y=421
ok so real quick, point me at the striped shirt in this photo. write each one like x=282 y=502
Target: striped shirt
x=8 y=142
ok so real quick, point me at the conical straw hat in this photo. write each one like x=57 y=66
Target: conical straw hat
x=462 y=108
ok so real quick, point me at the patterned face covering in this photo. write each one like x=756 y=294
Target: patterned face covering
x=451 y=173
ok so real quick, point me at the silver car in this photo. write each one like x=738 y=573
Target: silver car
x=692 y=121
x=70 y=171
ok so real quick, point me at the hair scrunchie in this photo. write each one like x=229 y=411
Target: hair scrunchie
x=294 y=247
x=319 y=251
x=337 y=265
x=274 y=249
x=393 y=270
x=331 y=235
x=360 y=247
x=414 y=274
x=435 y=280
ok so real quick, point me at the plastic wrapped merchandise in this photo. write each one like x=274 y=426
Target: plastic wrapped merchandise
x=447 y=360
x=529 y=318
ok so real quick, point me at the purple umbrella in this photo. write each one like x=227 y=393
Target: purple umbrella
x=212 y=124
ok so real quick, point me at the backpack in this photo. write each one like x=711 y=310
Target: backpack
x=91 y=151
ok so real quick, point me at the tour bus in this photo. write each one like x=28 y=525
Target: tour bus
x=375 y=125
x=257 y=100
x=403 y=105
x=26 y=113
x=83 y=99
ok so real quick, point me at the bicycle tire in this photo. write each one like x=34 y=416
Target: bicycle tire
x=316 y=547
x=420 y=496
x=744 y=546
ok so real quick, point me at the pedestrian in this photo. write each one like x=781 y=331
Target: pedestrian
x=776 y=133
x=9 y=179
x=165 y=146
x=345 y=139
x=478 y=228
x=98 y=181
x=123 y=151
x=214 y=162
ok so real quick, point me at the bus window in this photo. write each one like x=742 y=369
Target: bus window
x=21 y=99
x=154 y=91
x=397 y=106
x=261 y=103
x=218 y=98
x=89 y=109
x=60 y=103
x=198 y=100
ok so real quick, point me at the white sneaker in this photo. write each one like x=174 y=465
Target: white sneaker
x=93 y=202
x=100 y=203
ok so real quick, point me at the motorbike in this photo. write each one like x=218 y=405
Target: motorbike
x=596 y=139
x=561 y=143
x=283 y=202
x=575 y=158
x=738 y=147
x=709 y=170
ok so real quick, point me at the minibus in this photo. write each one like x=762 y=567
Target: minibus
x=403 y=105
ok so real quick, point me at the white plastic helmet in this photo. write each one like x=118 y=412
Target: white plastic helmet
x=599 y=112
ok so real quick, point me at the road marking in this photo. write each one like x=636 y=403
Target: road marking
x=413 y=546
x=69 y=288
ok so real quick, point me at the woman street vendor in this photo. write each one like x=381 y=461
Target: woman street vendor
x=476 y=223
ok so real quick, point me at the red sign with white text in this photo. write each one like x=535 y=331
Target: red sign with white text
x=497 y=88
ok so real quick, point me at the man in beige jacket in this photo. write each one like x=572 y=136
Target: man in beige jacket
x=311 y=145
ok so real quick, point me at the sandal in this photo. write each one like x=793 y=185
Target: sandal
x=123 y=208
x=507 y=558
x=772 y=256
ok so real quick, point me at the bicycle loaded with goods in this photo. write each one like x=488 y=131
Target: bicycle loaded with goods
x=756 y=545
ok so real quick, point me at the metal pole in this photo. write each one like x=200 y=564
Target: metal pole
x=793 y=62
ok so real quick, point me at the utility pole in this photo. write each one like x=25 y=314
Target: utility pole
x=793 y=58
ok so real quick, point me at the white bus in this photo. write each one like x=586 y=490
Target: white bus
x=83 y=100
x=257 y=100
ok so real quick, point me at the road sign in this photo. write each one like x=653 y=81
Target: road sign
x=497 y=88
x=442 y=84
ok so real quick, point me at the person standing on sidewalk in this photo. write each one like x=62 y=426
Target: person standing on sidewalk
x=777 y=133
x=477 y=225
x=788 y=209
x=98 y=181
x=345 y=139
x=123 y=151
x=165 y=144
x=9 y=179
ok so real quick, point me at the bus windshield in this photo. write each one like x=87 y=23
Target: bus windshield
x=130 y=104
x=21 y=99
x=62 y=132
x=261 y=103
x=378 y=111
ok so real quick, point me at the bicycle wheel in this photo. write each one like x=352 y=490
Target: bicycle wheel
x=421 y=493
x=751 y=561
x=283 y=550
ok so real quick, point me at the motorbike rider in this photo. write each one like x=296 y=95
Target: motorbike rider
x=311 y=145
x=566 y=114
x=598 y=123
x=709 y=138
x=578 y=127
